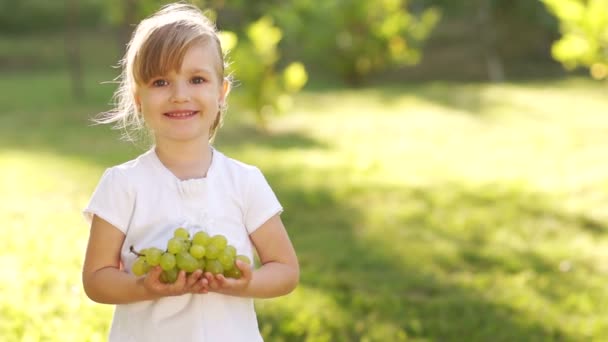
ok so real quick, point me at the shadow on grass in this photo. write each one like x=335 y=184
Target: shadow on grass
x=481 y=100
x=235 y=134
x=474 y=99
x=386 y=296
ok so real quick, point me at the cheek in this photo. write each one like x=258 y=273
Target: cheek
x=213 y=100
x=148 y=118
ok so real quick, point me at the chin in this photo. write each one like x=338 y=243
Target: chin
x=185 y=136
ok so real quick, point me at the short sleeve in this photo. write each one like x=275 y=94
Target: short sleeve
x=261 y=202
x=111 y=200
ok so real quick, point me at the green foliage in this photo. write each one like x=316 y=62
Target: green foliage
x=114 y=10
x=254 y=61
x=584 y=41
x=48 y=16
x=356 y=38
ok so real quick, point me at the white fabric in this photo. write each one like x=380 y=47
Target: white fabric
x=147 y=202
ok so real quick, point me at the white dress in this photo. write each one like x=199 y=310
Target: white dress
x=144 y=200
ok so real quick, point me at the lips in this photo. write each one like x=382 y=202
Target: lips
x=181 y=114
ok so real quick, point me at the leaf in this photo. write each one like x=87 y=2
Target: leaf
x=295 y=77
x=228 y=39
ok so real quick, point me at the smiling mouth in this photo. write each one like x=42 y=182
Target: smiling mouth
x=182 y=114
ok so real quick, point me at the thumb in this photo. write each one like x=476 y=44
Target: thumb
x=245 y=268
x=152 y=279
x=155 y=272
x=181 y=279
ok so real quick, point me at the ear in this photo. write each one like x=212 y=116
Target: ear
x=225 y=90
x=137 y=100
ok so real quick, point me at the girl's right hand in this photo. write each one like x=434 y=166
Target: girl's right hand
x=184 y=284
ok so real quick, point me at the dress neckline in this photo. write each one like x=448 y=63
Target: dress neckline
x=159 y=164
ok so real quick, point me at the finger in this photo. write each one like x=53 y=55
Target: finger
x=213 y=285
x=210 y=278
x=245 y=268
x=154 y=273
x=196 y=287
x=193 y=278
x=204 y=284
x=153 y=277
x=221 y=280
x=179 y=284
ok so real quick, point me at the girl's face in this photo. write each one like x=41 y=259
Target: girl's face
x=183 y=105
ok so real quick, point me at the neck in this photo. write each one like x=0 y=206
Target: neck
x=186 y=161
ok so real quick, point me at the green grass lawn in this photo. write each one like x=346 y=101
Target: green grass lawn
x=424 y=212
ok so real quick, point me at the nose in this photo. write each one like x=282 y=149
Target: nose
x=179 y=92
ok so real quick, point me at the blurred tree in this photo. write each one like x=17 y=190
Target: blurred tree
x=72 y=44
x=584 y=28
x=123 y=15
x=497 y=23
x=254 y=59
x=356 y=37
x=489 y=40
x=43 y=17
x=27 y=16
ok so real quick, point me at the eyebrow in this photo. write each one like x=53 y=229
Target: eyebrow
x=198 y=70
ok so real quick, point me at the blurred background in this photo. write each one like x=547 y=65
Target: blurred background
x=440 y=162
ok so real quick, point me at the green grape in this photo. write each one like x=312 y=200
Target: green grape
x=140 y=267
x=226 y=260
x=186 y=262
x=234 y=272
x=181 y=233
x=153 y=256
x=230 y=250
x=214 y=267
x=176 y=245
x=197 y=251
x=219 y=241
x=212 y=252
x=243 y=258
x=201 y=264
x=167 y=261
x=187 y=245
x=200 y=238
x=169 y=276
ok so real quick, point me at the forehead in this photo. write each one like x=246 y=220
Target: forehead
x=201 y=56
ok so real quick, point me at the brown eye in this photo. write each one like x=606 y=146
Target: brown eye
x=198 y=80
x=159 y=83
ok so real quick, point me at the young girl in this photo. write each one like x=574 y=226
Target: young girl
x=173 y=81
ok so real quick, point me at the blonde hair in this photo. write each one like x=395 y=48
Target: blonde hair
x=158 y=46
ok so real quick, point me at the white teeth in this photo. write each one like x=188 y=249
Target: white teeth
x=180 y=114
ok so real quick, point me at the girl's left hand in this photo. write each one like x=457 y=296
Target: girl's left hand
x=229 y=286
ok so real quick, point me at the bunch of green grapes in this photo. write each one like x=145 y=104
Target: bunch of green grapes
x=201 y=252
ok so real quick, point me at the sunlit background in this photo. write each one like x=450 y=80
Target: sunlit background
x=441 y=163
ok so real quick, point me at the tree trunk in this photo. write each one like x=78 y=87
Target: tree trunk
x=488 y=42
x=126 y=28
x=72 y=46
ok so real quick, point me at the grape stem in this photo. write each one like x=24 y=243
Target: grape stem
x=132 y=250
